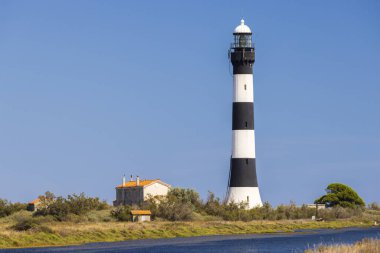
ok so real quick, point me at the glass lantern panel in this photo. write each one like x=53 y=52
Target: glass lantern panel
x=244 y=41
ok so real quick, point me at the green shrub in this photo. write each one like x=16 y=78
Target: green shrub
x=212 y=205
x=174 y=211
x=59 y=209
x=80 y=204
x=374 y=206
x=7 y=208
x=25 y=224
x=185 y=196
x=68 y=208
x=177 y=205
x=122 y=213
x=339 y=213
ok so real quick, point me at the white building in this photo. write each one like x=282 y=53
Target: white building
x=136 y=191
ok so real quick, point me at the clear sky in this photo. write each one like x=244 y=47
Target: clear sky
x=92 y=90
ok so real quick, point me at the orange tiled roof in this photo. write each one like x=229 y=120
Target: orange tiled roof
x=141 y=212
x=36 y=201
x=133 y=183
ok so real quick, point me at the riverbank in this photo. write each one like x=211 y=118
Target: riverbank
x=365 y=245
x=69 y=233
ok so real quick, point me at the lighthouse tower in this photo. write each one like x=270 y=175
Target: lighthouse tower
x=242 y=185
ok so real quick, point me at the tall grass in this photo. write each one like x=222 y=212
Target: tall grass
x=363 y=246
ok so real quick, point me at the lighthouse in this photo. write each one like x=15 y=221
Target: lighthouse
x=242 y=185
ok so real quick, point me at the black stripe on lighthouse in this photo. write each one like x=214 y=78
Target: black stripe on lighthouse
x=242 y=116
x=242 y=60
x=243 y=172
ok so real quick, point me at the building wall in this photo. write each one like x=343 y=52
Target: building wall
x=136 y=195
x=144 y=218
x=129 y=196
x=140 y=218
x=155 y=189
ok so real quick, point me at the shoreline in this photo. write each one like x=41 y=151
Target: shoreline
x=69 y=234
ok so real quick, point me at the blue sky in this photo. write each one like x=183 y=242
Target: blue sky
x=92 y=90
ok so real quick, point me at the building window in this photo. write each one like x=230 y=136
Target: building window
x=246 y=161
x=248 y=199
x=245 y=87
x=246 y=124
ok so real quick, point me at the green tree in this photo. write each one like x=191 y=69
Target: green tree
x=340 y=195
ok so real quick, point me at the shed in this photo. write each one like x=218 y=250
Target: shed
x=141 y=215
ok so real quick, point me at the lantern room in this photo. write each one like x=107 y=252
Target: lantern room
x=242 y=36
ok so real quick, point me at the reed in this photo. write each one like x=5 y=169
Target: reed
x=363 y=246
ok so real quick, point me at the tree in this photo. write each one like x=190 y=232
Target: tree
x=340 y=195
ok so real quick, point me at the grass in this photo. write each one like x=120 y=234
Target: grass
x=364 y=246
x=98 y=227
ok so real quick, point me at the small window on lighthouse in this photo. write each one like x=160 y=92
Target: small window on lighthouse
x=246 y=124
x=248 y=199
x=246 y=161
x=245 y=87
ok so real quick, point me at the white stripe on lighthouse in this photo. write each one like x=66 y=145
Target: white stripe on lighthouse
x=243 y=144
x=249 y=195
x=243 y=88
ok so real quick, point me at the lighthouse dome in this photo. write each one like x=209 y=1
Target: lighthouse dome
x=242 y=28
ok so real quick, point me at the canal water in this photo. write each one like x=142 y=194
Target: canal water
x=279 y=242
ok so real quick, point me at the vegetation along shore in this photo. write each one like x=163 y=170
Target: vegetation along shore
x=79 y=219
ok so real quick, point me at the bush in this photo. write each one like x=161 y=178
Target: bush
x=374 y=206
x=175 y=211
x=122 y=213
x=7 y=208
x=30 y=223
x=59 y=209
x=233 y=212
x=64 y=208
x=26 y=224
x=339 y=213
x=212 y=205
x=180 y=204
x=80 y=204
x=185 y=196
x=177 y=205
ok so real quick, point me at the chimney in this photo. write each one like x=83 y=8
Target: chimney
x=131 y=178
x=137 y=181
x=123 y=180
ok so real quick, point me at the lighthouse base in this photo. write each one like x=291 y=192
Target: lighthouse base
x=249 y=195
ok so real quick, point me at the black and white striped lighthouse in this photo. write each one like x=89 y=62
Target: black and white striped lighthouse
x=242 y=185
